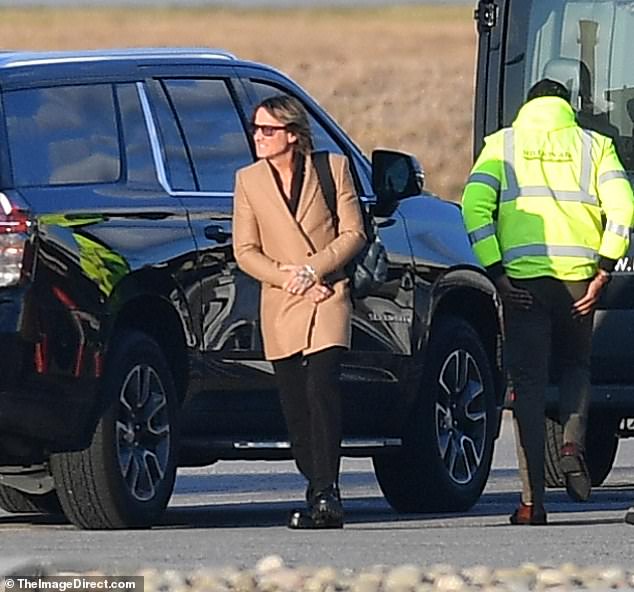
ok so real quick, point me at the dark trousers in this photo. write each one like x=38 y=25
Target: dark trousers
x=546 y=341
x=311 y=402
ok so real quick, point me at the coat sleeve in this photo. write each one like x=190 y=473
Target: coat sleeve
x=479 y=203
x=351 y=237
x=617 y=202
x=247 y=246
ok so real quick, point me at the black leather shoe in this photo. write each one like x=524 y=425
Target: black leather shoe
x=575 y=470
x=300 y=519
x=323 y=510
x=326 y=509
x=629 y=516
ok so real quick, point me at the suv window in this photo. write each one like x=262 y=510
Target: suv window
x=213 y=130
x=177 y=166
x=138 y=152
x=63 y=135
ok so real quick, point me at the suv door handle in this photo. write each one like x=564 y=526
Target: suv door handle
x=217 y=233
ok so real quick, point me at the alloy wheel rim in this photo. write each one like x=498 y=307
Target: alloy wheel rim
x=461 y=419
x=143 y=432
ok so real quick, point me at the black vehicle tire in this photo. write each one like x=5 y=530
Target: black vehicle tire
x=19 y=502
x=447 y=448
x=601 y=446
x=125 y=478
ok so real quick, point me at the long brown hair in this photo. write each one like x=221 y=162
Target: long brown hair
x=291 y=113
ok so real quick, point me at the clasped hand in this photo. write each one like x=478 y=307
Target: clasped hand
x=302 y=281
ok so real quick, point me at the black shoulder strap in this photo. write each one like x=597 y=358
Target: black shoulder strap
x=327 y=183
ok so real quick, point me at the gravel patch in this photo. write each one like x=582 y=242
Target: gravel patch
x=270 y=574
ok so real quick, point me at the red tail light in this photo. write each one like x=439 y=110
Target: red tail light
x=14 y=231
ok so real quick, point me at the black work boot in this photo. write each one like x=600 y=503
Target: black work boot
x=327 y=511
x=323 y=510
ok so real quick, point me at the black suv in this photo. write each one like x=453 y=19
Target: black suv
x=130 y=339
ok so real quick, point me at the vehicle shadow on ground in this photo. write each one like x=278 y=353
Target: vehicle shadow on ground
x=33 y=520
x=363 y=511
x=375 y=513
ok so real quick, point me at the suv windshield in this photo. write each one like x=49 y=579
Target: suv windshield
x=586 y=44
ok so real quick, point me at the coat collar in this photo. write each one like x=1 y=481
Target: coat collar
x=307 y=196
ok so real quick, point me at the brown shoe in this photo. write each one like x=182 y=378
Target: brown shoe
x=575 y=470
x=529 y=515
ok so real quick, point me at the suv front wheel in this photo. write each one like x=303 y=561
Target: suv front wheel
x=447 y=449
x=125 y=478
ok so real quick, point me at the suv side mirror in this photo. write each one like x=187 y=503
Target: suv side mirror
x=395 y=176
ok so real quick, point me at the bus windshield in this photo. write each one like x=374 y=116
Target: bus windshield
x=587 y=45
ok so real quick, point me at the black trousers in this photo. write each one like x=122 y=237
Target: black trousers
x=543 y=342
x=311 y=402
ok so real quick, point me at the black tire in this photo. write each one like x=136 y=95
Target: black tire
x=125 y=478
x=19 y=502
x=445 y=459
x=601 y=446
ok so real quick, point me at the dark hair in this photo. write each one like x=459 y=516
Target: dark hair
x=548 y=88
x=290 y=112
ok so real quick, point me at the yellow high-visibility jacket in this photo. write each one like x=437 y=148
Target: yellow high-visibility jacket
x=547 y=197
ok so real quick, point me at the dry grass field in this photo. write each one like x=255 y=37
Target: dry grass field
x=399 y=77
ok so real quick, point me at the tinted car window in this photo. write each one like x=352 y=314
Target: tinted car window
x=177 y=167
x=63 y=135
x=214 y=133
x=138 y=152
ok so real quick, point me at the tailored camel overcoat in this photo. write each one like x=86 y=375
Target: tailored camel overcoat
x=266 y=236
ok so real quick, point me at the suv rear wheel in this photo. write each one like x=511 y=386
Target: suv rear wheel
x=447 y=449
x=601 y=446
x=126 y=476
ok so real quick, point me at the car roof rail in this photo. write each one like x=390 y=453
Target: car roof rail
x=14 y=59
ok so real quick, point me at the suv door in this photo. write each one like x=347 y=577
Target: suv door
x=198 y=116
x=382 y=322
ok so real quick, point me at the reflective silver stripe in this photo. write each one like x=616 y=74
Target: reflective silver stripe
x=548 y=251
x=512 y=187
x=578 y=196
x=585 y=174
x=486 y=179
x=537 y=191
x=514 y=191
x=609 y=175
x=618 y=229
x=481 y=233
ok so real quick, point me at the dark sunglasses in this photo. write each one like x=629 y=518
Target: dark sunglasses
x=267 y=130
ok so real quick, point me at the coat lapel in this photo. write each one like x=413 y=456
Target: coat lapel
x=309 y=191
x=278 y=202
x=273 y=193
